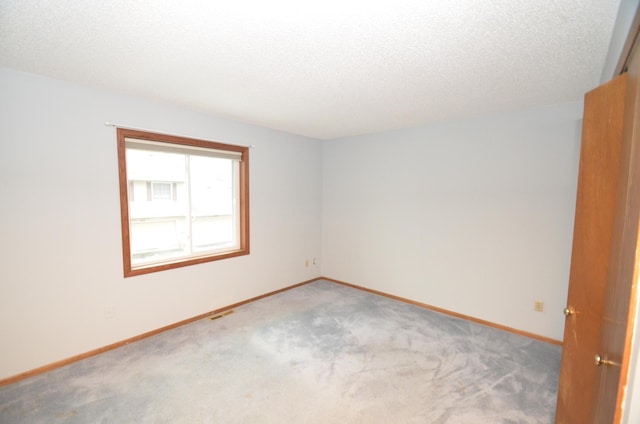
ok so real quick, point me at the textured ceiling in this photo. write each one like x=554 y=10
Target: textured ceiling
x=325 y=69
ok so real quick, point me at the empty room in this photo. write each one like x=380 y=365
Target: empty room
x=330 y=212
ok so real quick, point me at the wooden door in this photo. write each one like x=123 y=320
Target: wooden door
x=593 y=229
x=621 y=293
x=606 y=257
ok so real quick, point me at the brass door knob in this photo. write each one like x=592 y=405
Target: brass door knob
x=568 y=311
x=602 y=360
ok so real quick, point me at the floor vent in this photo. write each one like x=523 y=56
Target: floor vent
x=221 y=314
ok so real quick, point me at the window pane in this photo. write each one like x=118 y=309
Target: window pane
x=212 y=200
x=158 y=225
x=199 y=218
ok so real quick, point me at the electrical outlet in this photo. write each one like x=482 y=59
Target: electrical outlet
x=316 y=261
x=538 y=306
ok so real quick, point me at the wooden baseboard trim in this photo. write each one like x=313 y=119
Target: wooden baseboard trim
x=58 y=364
x=446 y=312
x=76 y=358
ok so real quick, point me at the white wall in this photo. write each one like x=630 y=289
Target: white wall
x=473 y=216
x=60 y=255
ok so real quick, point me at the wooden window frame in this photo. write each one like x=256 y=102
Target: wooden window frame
x=243 y=200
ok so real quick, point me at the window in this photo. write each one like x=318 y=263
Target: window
x=161 y=191
x=182 y=201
